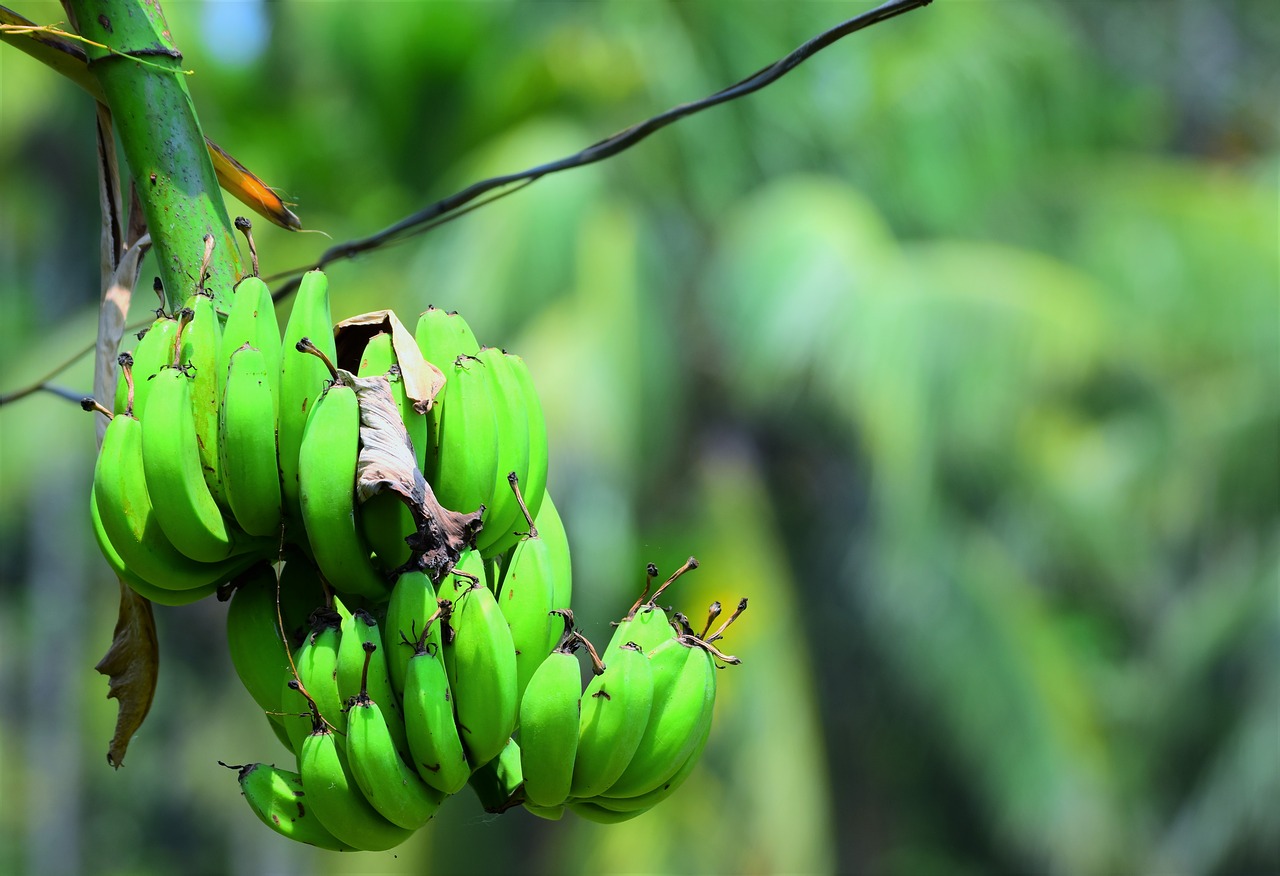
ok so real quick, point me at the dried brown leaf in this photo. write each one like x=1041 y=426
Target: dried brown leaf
x=132 y=664
x=422 y=380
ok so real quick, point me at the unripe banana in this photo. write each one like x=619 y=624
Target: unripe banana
x=364 y=672
x=483 y=676
x=327 y=477
x=413 y=600
x=259 y=650
x=442 y=337
x=336 y=798
x=131 y=525
x=316 y=661
x=550 y=712
x=140 y=586
x=647 y=801
x=463 y=474
x=527 y=598
x=497 y=783
x=279 y=800
x=393 y=788
x=252 y=320
x=171 y=458
x=535 y=484
x=155 y=350
x=556 y=545
x=434 y=739
x=247 y=432
x=384 y=519
x=647 y=624
x=615 y=710
x=550 y=813
x=200 y=356
x=592 y=811
x=503 y=516
x=302 y=378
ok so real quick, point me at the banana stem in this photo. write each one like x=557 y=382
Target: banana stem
x=306 y=346
x=92 y=405
x=125 y=361
x=514 y=480
x=689 y=565
x=597 y=665
x=245 y=227
x=369 y=648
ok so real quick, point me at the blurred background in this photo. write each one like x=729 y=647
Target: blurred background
x=957 y=351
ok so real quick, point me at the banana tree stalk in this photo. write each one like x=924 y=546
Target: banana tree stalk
x=142 y=79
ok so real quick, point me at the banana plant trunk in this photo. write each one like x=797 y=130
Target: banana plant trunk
x=140 y=70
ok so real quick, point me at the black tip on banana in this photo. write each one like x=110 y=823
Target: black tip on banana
x=689 y=565
x=245 y=227
x=712 y=613
x=305 y=345
x=90 y=404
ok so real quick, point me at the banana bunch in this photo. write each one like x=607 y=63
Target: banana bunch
x=373 y=503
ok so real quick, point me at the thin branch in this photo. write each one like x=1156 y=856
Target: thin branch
x=430 y=217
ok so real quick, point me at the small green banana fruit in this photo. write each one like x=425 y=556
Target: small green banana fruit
x=506 y=397
x=550 y=712
x=434 y=740
x=384 y=519
x=684 y=694
x=280 y=801
x=615 y=711
x=155 y=350
x=247 y=433
x=131 y=524
x=302 y=378
x=393 y=788
x=316 y=662
x=645 y=802
x=497 y=783
x=412 y=602
x=171 y=457
x=259 y=649
x=201 y=340
x=593 y=811
x=252 y=320
x=364 y=672
x=442 y=337
x=464 y=473
x=335 y=796
x=326 y=478
x=535 y=484
x=483 y=675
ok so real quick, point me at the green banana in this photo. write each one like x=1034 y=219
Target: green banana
x=140 y=586
x=279 y=800
x=335 y=796
x=647 y=801
x=535 y=484
x=615 y=710
x=316 y=661
x=483 y=675
x=552 y=534
x=592 y=811
x=526 y=597
x=155 y=350
x=646 y=623
x=361 y=673
x=326 y=478
x=550 y=711
x=503 y=514
x=684 y=682
x=397 y=792
x=252 y=320
x=550 y=813
x=434 y=739
x=131 y=525
x=201 y=340
x=497 y=783
x=247 y=445
x=412 y=601
x=171 y=459
x=442 y=337
x=465 y=468
x=302 y=378
x=384 y=519
x=259 y=650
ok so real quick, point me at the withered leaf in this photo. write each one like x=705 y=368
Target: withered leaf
x=422 y=380
x=387 y=462
x=132 y=664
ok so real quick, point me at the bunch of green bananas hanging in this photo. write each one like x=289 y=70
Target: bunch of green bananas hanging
x=374 y=505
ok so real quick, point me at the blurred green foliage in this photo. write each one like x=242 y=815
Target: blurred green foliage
x=957 y=351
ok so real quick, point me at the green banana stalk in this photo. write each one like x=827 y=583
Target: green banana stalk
x=187 y=510
x=247 y=446
x=280 y=801
x=302 y=378
x=326 y=478
x=615 y=711
x=200 y=356
x=550 y=712
x=394 y=789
